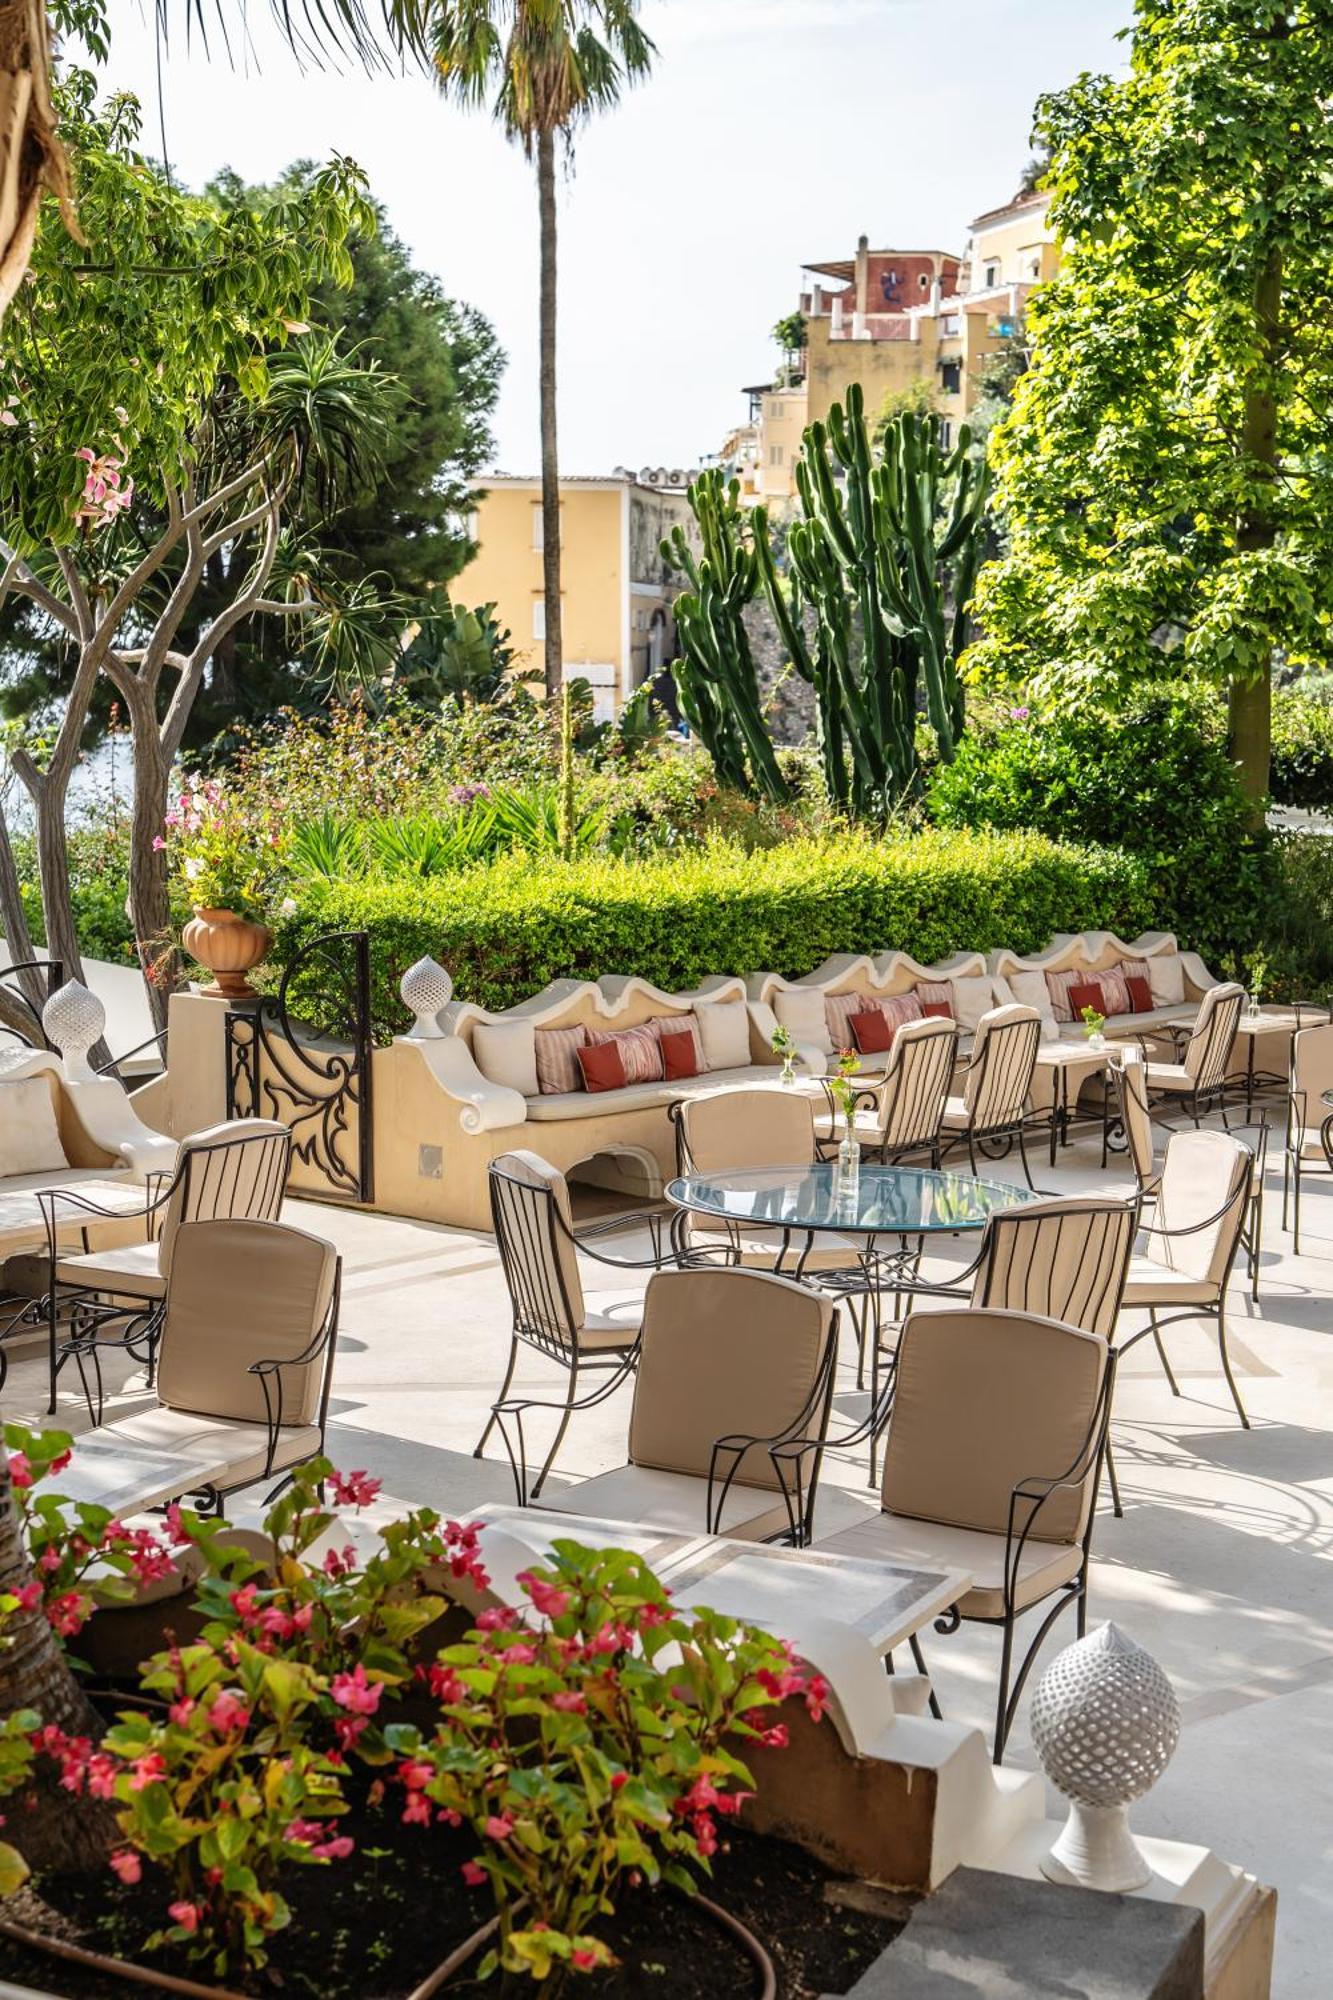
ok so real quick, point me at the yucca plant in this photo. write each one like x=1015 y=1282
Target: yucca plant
x=326 y=846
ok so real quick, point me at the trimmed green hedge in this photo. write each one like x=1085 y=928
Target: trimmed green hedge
x=504 y=930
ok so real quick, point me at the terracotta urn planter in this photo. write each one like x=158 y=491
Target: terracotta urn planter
x=228 y=946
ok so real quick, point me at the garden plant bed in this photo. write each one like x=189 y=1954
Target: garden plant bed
x=378 y=1927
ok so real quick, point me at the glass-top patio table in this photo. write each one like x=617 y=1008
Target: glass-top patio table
x=886 y=1201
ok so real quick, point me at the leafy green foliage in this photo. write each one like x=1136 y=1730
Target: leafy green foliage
x=1302 y=749
x=1147 y=779
x=597 y=1745
x=508 y=928
x=455 y=655
x=1165 y=474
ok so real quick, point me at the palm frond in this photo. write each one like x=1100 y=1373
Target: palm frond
x=379 y=34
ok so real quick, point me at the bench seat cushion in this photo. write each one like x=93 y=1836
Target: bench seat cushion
x=641 y=1096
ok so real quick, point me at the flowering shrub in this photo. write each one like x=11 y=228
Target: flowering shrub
x=592 y=1747
x=225 y=853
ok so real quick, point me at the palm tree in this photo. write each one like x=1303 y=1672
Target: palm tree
x=545 y=66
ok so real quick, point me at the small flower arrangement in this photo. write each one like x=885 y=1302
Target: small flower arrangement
x=1258 y=972
x=781 y=1043
x=224 y=859
x=1093 y=1023
x=843 y=1084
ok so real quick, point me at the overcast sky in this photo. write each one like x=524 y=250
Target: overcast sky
x=771 y=131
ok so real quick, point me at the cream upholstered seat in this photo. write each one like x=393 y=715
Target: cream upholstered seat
x=1311 y=1076
x=997 y=1079
x=731 y=1403
x=233 y=1171
x=909 y=1102
x=728 y=1131
x=246 y=1353
x=991 y=1463
x=1199 y=1079
x=1190 y=1243
x=534 y=1233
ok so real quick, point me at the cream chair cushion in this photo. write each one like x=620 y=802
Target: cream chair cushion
x=29 y=1134
x=213 y=1442
x=242 y=1292
x=1152 y=1284
x=506 y=1053
x=134 y=1272
x=724 y=1031
x=558 y=1258
x=723 y=1352
x=932 y=1545
x=985 y=1400
x=1203 y=1173
x=1166 y=978
x=674 y=1501
x=800 y=1010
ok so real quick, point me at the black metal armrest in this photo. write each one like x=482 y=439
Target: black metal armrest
x=514 y=1408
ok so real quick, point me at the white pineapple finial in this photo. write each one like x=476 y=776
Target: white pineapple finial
x=426 y=989
x=73 y=1019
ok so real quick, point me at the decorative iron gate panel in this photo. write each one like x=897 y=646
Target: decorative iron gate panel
x=314 y=1077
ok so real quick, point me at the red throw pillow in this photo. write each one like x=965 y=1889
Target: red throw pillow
x=1140 y=995
x=679 y=1056
x=871 y=1032
x=1086 y=993
x=938 y=1010
x=602 y=1065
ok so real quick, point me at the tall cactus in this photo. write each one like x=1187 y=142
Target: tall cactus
x=885 y=557
x=715 y=676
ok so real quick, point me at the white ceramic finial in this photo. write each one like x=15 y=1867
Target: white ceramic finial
x=1105 y=1722
x=426 y=989
x=73 y=1019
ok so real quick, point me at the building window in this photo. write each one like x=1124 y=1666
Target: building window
x=951 y=377
x=775 y=454
x=539 y=524
x=946 y=434
x=949 y=325
x=990 y=275
x=539 y=617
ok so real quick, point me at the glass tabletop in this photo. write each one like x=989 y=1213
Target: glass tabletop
x=910 y=1200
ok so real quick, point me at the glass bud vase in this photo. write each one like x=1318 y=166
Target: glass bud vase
x=788 y=1077
x=1254 y=1007
x=849 y=1171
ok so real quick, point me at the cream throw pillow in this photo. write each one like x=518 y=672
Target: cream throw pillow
x=971 y=999
x=1166 y=978
x=800 y=1009
x=506 y=1053
x=29 y=1135
x=1030 y=990
x=724 y=1031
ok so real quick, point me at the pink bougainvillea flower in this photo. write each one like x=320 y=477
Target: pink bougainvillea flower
x=355 y=1693
x=127 y=1866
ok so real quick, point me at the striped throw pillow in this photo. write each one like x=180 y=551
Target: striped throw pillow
x=1058 y=985
x=557 y=1059
x=934 y=993
x=640 y=1051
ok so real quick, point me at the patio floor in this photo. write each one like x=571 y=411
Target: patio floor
x=1221 y=1566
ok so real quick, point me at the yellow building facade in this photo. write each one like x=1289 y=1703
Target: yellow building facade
x=616 y=593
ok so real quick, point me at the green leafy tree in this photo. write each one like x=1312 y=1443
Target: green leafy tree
x=154 y=417
x=545 y=67
x=1167 y=472
x=456 y=655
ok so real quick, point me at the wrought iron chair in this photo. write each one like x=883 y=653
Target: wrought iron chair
x=992 y=1110
x=1309 y=1119
x=905 y=1111
x=231 y=1172
x=249 y=1327
x=1191 y=1242
x=731 y=1406
x=1199 y=1079
x=539 y=1254
x=992 y=1460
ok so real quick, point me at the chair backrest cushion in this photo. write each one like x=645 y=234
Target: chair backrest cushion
x=1137 y=1117
x=1063 y=1259
x=916 y=1085
x=241 y=1292
x=725 y=1351
x=983 y=1401
x=1312 y=1072
x=533 y=1230
x=228 y=1173
x=1209 y=1048
x=1204 y=1173
x=726 y=1131
x=1004 y=1055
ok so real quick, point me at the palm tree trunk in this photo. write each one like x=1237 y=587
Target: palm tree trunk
x=550 y=454
x=30 y=155
x=1250 y=700
x=51 y=1828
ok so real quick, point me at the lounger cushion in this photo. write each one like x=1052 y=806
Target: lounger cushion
x=800 y=1010
x=1166 y=978
x=971 y=999
x=641 y=1096
x=724 y=1030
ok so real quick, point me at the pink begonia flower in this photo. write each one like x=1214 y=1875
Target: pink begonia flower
x=473 y=1874
x=228 y=1713
x=499 y=1826
x=355 y=1693
x=187 y=1915
x=126 y=1866
x=20 y=1469
x=158 y=843
x=353 y=1489
x=583 y=1960
x=550 y=1601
